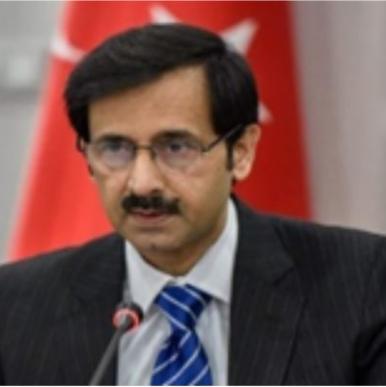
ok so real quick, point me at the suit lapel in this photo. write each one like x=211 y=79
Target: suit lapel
x=86 y=316
x=266 y=304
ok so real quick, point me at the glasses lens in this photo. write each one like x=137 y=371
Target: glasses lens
x=177 y=152
x=114 y=153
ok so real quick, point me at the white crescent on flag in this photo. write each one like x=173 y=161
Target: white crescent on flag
x=63 y=49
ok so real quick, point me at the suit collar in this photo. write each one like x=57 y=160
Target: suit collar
x=99 y=270
x=95 y=276
x=260 y=254
x=266 y=304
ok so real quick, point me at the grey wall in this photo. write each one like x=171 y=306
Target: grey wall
x=342 y=61
x=26 y=29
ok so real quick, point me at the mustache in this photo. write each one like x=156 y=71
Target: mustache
x=157 y=203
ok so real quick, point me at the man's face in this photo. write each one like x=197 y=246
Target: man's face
x=177 y=103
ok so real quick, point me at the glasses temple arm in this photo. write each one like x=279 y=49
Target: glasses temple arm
x=224 y=137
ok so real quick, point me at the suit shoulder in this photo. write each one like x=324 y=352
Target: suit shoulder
x=309 y=237
x=318 y=248
x=332 y=256
x=297 y=232
x=47 y=268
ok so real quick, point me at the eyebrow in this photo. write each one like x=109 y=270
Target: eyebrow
x=177 y=132
x=111 y=137
x=174 y=133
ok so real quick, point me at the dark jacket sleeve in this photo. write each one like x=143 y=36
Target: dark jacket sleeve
x=2 y=383
x=371 y=354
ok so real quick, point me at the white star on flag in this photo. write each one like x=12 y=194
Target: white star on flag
x=239 y=36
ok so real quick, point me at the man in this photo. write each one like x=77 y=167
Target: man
x=166 y=119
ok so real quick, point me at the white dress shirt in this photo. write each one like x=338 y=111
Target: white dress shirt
x=138 y=350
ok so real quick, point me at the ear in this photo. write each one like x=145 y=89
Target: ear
x=244 y=151
x=90 y=171
x=81 y=145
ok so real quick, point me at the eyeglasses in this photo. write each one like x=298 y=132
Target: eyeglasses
x=178 y=151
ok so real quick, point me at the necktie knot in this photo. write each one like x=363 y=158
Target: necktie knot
x=182 y=305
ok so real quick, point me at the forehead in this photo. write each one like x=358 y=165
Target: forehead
x=178 y=99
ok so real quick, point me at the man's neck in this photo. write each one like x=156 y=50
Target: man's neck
x=179 y=262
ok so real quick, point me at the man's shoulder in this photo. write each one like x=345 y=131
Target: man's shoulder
x=326 y=259
x=312 y=233
x=304 y=240
x=53 y=266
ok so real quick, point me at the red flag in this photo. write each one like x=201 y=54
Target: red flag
x=61 y=205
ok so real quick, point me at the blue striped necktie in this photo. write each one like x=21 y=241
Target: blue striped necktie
x=182 y=359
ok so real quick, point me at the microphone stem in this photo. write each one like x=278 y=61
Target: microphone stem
x=107 y=356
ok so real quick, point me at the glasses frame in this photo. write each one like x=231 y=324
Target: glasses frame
x=223 y=137
x=81 y=144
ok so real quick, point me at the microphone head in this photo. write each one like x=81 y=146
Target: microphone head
x=127 y=316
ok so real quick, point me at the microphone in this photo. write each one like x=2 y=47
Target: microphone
x=126 y=318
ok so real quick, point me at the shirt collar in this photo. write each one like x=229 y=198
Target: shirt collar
x=212 y=273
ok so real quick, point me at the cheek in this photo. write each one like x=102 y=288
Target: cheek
x=204 y=191
x=111 y=190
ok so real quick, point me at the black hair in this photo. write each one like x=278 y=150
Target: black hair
x=141 y=55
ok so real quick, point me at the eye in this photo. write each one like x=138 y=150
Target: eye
x=114 y=146
x=177 y=145
x=115 y=153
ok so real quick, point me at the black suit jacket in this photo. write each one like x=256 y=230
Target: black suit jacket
x=308 y=307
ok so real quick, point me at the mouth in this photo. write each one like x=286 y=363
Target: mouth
x=149 y=217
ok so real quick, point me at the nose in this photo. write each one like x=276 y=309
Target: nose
x=145 y=178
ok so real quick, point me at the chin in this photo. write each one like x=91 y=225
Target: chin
x=153 y=244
